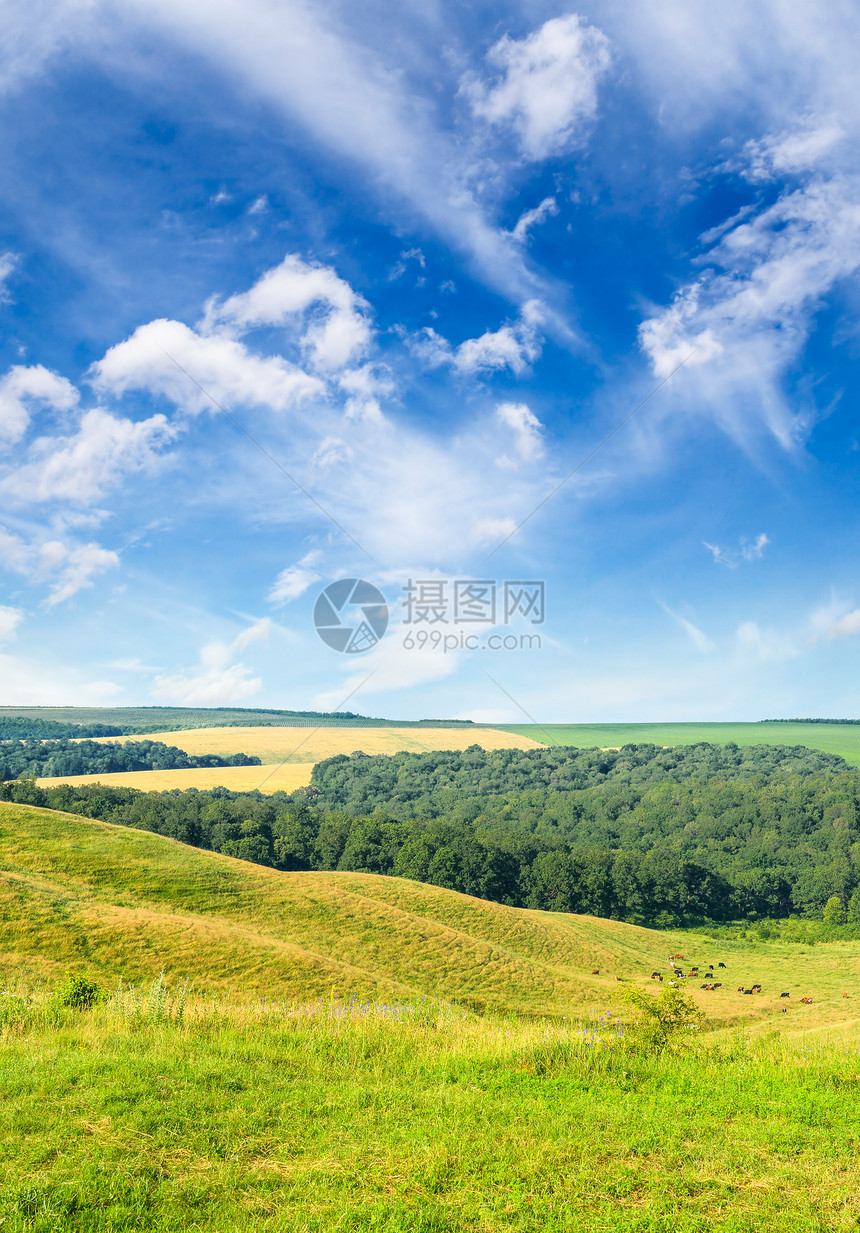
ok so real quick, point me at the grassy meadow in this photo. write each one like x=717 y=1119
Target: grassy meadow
x=843 y=739
x=338 y=1051
x=412 y=1117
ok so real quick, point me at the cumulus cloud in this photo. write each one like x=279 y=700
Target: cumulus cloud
x=337 y=335
x=224 y=366
x=546 y=84
x=527 y=432
x=22 y=386
x=216 y=680
x=511 y=346
x=79 y=467
x=295 y=579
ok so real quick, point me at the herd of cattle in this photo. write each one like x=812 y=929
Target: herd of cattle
x=695 y=972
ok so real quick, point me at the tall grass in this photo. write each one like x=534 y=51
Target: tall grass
x=161 y=1109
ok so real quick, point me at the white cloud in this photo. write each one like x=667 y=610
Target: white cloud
x=38 y=385
x=10 y=619
x=512 y=346
x=547 y=85
x=745 y=326
x=335 y=337
x=78 y=568
x=390 y=667
x=8 y=262
x=295 y=579
x=548 y=208
x=355 y=102
x=222 y=365
x=216 y=681
x=527 y=430
x=846 y=626
x=746 y=551
x=78 y=468
x=65 y=568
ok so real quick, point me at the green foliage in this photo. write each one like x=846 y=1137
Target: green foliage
x=46 y=759
x=674 y=837
x=834 y=912
x=79 y=993
x=665 y=1020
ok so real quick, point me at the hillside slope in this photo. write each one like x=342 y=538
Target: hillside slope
x=84 y=895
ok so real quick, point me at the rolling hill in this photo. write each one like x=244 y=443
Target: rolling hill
x=82 y=895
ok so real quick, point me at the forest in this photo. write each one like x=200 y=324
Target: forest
x=46 y=759
x=688 y=835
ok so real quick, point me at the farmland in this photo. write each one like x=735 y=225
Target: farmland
x=288 y=754
x=366 y=1053
x=843 y=739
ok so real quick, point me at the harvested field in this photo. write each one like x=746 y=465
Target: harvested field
x=277 y=778
x=298 y=745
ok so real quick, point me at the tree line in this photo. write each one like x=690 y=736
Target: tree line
x=693 y=834
x=47 y=759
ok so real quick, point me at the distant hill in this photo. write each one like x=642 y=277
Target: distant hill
x=45 y=722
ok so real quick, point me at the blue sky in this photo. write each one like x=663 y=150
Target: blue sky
x=427 y=257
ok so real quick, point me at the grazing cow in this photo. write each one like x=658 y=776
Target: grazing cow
x=740 y=988
x=845 y=995
x=784 y=1011
x=718 y=984
x=655 y=975
x=806 y=1001
x=747 y=990
x=595 y=971
x=785 y=995
x=721 y=965
x=756 y=988
x=706 y=986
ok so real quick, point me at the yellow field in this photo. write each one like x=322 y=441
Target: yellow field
x=288 y=754
x=271 y=778
x=313 y=745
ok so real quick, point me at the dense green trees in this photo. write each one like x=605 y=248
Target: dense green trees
x=701 y=833
x=46 y=759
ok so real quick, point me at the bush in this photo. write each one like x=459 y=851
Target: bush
x=663 y=1019
x=79 y=993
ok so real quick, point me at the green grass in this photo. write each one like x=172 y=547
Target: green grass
x=362 y=1053
x=166 y=718
x=414 y=1118
x=841 y=739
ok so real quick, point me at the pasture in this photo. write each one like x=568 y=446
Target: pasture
x=843 y=739
x=361 y=1053
x=111 y=901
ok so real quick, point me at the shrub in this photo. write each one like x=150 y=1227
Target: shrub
x=663 y=1019
x=79 y=993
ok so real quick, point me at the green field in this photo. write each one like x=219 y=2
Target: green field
x=841 y=739
x=362 y=1053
